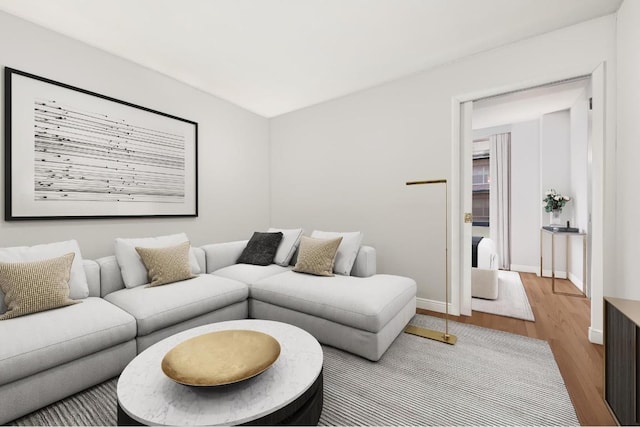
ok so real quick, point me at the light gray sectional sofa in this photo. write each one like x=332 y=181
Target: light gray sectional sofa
x=165 y=310
x=59 y=352
x=362 y=313
x=50 y=355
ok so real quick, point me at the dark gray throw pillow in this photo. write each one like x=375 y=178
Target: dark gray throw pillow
x=261 y=249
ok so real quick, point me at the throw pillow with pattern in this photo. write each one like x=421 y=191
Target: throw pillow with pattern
x=317 y=256
x=166 y=265
x=30 y=287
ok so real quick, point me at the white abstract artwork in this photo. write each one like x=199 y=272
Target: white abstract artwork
x=94 y=156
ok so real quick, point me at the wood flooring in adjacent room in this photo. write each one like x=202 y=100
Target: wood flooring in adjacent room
x=563 y=321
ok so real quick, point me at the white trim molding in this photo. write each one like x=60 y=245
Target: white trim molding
x=596 y=336
x=576 y=281
x=560 y=274
x=595 y=275
x=525 y=268
x=433 y=305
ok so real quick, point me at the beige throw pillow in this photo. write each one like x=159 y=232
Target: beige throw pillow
x=166 y=265
x=30 y=287
x=316 y=256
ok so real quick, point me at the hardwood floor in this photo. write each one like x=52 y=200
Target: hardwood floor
x=562 y=321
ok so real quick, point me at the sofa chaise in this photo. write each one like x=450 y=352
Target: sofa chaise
x=362 y=313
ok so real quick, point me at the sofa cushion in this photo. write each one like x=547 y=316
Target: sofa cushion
x=367 y=303
x=317 y=256
x=131 y=267
x=166 y=265
x=78 y=287
x=347 y=251
x=288 y=245
x=30 y=287
x=40 y=341
x=261 y=248
x=248 y=273
x=161 y=306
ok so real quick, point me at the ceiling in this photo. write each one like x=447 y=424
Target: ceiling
x=275 y=56
x=527 y=104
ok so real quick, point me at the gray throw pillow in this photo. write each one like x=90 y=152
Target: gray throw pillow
x=261 y=249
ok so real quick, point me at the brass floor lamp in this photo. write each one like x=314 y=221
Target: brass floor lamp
x=445 y=336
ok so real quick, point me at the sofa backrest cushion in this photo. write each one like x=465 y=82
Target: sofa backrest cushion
x=220 y=255
x=347 y=252
x=92 y=270
x=133 y=270
x=110 y=276
x=200 y=257
x=288 y=245
x=78 y=281
x=365 y=264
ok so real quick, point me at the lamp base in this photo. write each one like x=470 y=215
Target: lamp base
x=431 y=334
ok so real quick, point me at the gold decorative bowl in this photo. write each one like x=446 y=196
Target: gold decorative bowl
x=220 y=358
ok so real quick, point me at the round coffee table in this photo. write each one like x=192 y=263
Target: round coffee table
x=289 y=392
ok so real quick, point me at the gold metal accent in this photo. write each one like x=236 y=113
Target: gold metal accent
x=220 y=358
x=431 y=334
x=445 y=337
x=468 y=217
x=581 y=294
x=431 y=181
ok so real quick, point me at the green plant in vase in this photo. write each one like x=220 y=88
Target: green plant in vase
x=553 y=203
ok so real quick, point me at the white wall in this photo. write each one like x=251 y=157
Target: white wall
x=526 y=199
x=555 y=163
x=559 y=161
x=579 y=119
x=625 y=285
x=233 y=143
x=342 y=164
x=555 y=173
x=526 y=196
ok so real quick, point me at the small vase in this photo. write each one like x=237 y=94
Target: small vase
x=554 y=217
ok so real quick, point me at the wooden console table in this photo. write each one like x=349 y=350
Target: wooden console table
x=553 y=234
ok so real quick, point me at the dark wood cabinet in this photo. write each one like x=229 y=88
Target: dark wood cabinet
x=622 y=351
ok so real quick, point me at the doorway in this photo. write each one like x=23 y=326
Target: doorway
x=461 y=201
x=534 y=144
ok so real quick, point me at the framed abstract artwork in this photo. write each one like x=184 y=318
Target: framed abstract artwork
x=72 y=153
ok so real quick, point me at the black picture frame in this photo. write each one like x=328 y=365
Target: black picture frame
x=84 y=155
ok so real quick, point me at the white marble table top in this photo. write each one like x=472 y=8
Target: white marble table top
x=147 y=395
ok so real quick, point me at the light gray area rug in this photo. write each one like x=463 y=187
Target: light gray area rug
x=487 y=378
x=512 y=299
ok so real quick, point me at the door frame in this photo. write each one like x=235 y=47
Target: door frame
x=460 y=273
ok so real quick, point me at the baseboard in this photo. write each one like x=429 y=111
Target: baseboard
x=433 y=305
x=576 y=281
x=596 y=336
x=525 y=268
x=559 y=274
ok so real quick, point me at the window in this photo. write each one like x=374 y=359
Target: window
x=480 y=188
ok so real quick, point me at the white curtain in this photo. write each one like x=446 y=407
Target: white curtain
x=499 y=200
